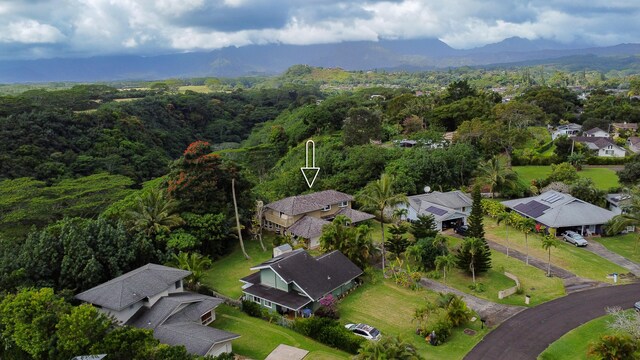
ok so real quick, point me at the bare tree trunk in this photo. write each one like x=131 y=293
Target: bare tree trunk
x=235 y=207
x=383 y=255
x=549 y=264
x=526 y=245
x=259 y=209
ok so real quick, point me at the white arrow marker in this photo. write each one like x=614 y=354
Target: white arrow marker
x=310 y=173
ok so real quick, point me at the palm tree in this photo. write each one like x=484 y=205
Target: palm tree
x=548 y=242
x=154 y=213
x=444 y=263
x=630 y=217
x=235 y=208
x=496 y=172
x=526 y=225
x=193 y=262
x=440 y=242
x=506 y=217
x=377 y=196
x=399 y=213
x=474 y=246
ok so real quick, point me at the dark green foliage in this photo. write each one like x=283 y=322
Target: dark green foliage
x=362 y=125
x=615 y=347
x=424 y=227
x=397 y=243
x=478 y=263
x=631 y=172
x=251 y=308
x=329 y=332
x=557 y=102
x=75 y=254
x=442 y=329
x=476 y=218
x=212 y=232
x=584 y=189
x=426 y=250
x=354 y=242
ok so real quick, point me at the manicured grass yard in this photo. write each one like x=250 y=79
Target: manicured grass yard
x=259 y=337
x=533 y=281
x=603 y=178
x=225 y=274
x=625 y=245
x=575 y=344
x=577 y=260
x=390 y=308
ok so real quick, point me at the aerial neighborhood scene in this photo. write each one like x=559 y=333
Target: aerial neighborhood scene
x=288 y=180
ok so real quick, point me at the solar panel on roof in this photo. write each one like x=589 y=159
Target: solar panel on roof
x=551 y=198
x=437 y=211
x=532 y=208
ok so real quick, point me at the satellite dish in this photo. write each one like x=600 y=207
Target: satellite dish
x=427 y=189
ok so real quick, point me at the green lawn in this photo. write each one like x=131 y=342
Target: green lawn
x=625 y=245
x=577 y=260
x=575 y=344
x=603 y=178
x=195 y=88
x=388 y=307
x=533 y=281
x=259 y=337
x=225 y=274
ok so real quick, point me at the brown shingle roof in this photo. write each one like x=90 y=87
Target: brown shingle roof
x=354 y=215
x=302 y=204
x=308 y=227
x=599 y=142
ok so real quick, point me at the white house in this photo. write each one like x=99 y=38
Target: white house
x=601 y=146
x=633 y=142
x=448 y=209
x=596 y=132
x=152 y=297
x=566 y=130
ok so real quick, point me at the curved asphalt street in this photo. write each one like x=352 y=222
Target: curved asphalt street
x=527 y=334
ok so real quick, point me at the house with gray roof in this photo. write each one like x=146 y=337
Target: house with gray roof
x=304 y=216
x=601 y=146
x=562 y=212
x=294 y=282
x=633 y=143
x=596 y=132
x=449 y=209
x=153 y=297
x=566 y=130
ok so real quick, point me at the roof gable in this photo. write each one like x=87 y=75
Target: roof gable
x=136 y=285
x=302 y=204
x=315 y=276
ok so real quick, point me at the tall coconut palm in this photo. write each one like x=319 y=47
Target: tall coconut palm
x=505 y=217
x=548 y=242
x=630 y=217
x=497 y=174
x=154 y=213
x=193 y=262
x=526 y=225
x=474 y=246
x=444 y=263
x=378 y=196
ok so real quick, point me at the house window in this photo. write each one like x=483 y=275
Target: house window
x=267 y=303
x=178 y=284
x=608 y=152
x=281 y=215
x=206 y=318
x=256 y=299
x=344 y=204
x=326 y=208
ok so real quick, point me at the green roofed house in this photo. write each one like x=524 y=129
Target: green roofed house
x=295 y=281
x=152 y=297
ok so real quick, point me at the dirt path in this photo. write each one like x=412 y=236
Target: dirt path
x=491 y=312
x=600 y=250
x=525 y=335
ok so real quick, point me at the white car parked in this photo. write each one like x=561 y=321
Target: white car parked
x=574 y=238
x=364 y=330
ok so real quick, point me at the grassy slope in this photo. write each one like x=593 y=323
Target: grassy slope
x=575 y=343
x=259 y=337
x=602 y=177
x=577 y=260
x=625 y=245
x=390 y=308
x=226 y=272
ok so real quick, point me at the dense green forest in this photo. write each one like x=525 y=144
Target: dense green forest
x=96 y=180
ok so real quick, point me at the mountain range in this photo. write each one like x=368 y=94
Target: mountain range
x=417 y=54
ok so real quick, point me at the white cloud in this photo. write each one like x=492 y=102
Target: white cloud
x=30 y=32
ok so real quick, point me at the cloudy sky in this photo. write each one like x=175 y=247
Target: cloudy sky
x=80 y=28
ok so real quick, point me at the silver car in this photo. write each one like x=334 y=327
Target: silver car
x=366 y=331
x=574 y=238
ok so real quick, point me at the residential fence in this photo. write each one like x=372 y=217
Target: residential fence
x=512 y=290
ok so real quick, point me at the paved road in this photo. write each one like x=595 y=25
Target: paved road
x=525 y=335
x=491 y=312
